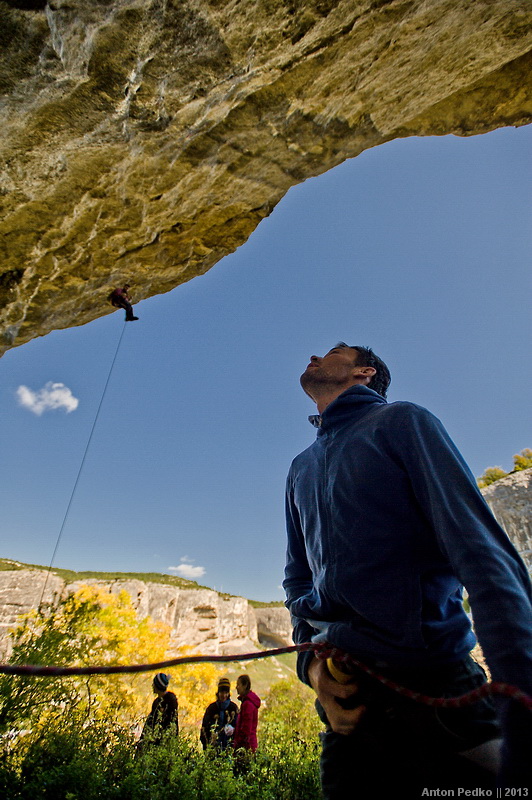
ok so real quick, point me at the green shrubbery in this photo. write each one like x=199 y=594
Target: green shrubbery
x=522 y=460
x=73 y=738
x=79 y=759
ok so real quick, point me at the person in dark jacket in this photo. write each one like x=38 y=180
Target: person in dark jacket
x=219 y=720
x=119 y=298
x=385 y=525
x=246 y=724
x=163 y=716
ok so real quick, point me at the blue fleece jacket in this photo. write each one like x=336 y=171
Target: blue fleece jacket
x=385 y=524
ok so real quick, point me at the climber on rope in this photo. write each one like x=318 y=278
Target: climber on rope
x=385 y=525
x=119 y=298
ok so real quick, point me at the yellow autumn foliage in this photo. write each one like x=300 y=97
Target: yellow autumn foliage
x=94 y=627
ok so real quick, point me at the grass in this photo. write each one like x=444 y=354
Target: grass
x=70 y=576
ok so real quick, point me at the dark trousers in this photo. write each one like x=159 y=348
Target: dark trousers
x=401 y=747
x=121 y=303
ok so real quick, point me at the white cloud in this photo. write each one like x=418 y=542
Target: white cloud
x=188 y=571
x=51 y=396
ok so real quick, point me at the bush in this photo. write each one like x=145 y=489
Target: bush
x=83 y=757
x=523 y=460
x=71 y=761
x=71 y=738
x=68 y=760
x=490 y=475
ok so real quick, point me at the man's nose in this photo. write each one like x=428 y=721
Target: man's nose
x=314 y=358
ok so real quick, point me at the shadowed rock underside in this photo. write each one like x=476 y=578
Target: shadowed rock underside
x=143 y=140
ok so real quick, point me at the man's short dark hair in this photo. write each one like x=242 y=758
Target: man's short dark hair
x=367 y=358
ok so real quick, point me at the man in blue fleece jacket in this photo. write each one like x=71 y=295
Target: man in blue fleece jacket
x=385 y=525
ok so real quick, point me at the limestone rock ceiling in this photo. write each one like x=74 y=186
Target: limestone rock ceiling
x=146 y=139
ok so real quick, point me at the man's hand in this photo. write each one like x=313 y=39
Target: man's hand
x=341 y=720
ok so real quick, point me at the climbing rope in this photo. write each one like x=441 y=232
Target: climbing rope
x=81 y=465
x=325 y=652
x=322 y=651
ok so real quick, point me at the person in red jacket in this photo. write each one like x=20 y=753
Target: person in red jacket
x=245 y=735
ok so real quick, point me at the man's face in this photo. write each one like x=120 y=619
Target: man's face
x=239 y=687
x=335 y=369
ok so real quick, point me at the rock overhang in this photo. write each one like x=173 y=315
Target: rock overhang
x=146 y=140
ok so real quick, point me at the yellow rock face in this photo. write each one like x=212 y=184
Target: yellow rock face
x=144 y=140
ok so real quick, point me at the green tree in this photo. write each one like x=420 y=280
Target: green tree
x=289 y=705
x=90 y=627
x=523 y=460
x=490 y=475
x=288 y=736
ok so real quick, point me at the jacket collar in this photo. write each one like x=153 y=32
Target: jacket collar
x=354 y=403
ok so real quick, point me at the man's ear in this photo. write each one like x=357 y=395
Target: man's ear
x=364 y=372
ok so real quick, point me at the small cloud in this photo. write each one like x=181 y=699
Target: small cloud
x=188 y=571
x=50 y=397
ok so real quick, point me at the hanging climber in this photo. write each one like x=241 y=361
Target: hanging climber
x=119 y=298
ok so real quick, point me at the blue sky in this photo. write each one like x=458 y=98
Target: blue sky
x=419 y=248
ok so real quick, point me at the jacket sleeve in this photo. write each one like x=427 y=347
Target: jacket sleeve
x=298 y=580
x=206 y=725
x=484 y=561
x=244 y=726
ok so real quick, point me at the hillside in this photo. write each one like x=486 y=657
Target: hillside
x=200 y=618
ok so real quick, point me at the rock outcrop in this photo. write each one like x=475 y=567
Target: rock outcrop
x=146 y=139
x=20 y=591
x=201 y=619
x=274 y=627
x=510 y=499
x=198 y=618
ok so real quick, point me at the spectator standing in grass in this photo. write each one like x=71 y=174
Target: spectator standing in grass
x=163 y=716
x=246 y=724
x=219 y=720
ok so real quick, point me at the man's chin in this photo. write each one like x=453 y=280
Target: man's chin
x=307 y=381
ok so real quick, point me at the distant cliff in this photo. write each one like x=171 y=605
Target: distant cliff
x=510 y=499
x=200 y=618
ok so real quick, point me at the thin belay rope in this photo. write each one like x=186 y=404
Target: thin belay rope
x=82 y=464
x=322 y=651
